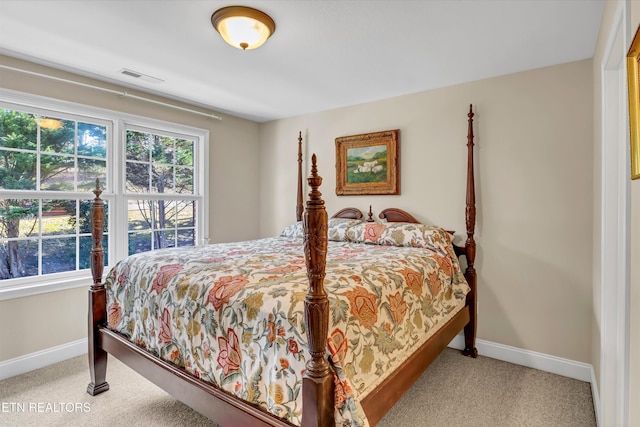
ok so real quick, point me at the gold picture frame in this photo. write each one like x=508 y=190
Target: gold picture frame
x=368 y=163
x=633 y=79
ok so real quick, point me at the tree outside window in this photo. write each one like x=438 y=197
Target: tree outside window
x=159 y=183
x=49 y=163
x=53 y=155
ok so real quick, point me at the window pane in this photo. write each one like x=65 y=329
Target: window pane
x=162 y=179
x=58 y=255
x=159 y=224
x=169 y=212
x=57 y=135
x=18 y=218
x=92 y=140
x=90 y=170
x=184 y=152
x=184 y=180
x=186 y=212
x=166 y=152
x=139 y=242
x=137 y=177
x=57 y=173
x=171 y=238
x=185 y=238
x=162 y=150
x=56 y=227
x=161 y=239
x=18 y=129
x=17 y=170
x=164 y=214
x=140 y=214
x=19 y=258
x=58 y=217
x=138 y=146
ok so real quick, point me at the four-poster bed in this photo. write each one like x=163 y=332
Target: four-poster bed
x=251 y=289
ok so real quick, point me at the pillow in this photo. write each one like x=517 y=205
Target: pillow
x=401 y=234
x=293 y=230
x=338 y=228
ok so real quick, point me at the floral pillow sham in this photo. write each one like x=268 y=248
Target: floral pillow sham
x=294 y=230
x=386 y=234
x=401 y=234
x=337 y=229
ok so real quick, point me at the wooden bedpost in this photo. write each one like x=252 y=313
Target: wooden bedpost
x=97 y=300
x=317 y=383
x=470 y=246
x=299 y=204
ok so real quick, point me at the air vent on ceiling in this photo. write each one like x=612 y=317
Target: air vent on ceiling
x=137 y=75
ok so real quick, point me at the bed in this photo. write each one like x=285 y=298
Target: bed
x=338 y=315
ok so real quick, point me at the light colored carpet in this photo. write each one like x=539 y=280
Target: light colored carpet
x=454 y=391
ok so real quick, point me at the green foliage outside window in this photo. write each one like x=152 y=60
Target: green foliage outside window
x=37 y=158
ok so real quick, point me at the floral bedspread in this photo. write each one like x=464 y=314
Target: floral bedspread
x=233 y=314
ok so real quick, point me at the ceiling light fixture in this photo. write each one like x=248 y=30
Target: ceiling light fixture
x=243 y=27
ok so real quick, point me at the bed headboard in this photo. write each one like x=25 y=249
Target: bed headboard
x=397 y=215
x=350 y=213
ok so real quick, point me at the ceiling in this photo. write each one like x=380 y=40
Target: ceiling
x=324 y=54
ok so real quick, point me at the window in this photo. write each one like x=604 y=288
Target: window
x=159 y=191
x=45 y=162
x=151 y=173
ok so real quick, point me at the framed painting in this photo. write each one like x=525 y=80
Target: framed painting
x=633 y=79
x=368 y=164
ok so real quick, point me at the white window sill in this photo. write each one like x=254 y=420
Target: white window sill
x=44 y=285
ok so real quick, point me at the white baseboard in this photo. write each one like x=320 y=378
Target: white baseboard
x=544 y=362
x=532 y=359
x=40 y=359
x=596 y=396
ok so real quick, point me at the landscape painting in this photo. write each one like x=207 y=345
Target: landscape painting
x=368 y=164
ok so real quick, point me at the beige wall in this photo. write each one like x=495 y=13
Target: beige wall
x=534 y=188
x=34 y=323
x=39 y=322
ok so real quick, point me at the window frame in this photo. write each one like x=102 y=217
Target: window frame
x=117 y=123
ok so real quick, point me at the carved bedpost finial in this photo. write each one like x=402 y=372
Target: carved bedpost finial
x=318 y=379
x=97 y=191
x=97 y=225
x=370 y=219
